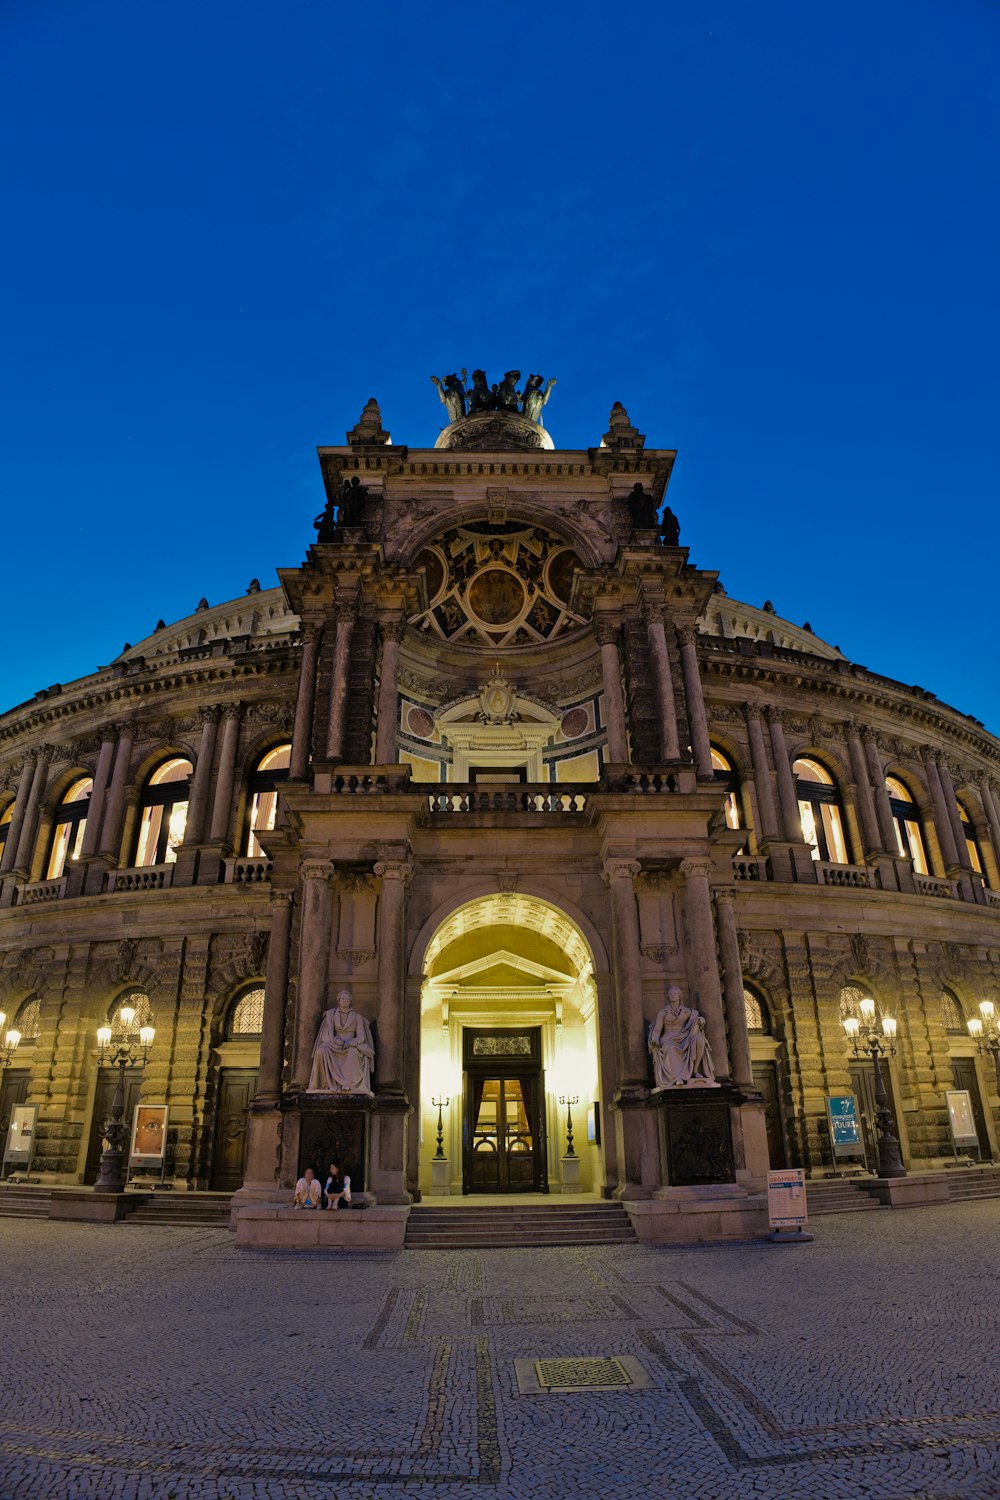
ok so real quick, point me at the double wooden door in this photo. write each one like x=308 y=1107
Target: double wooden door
x=765 y=1078
x=863 y=1085
x=107 y=1082
x=503 y=1136
x=13 y=1091
x=963 y=1072
x=237 y=1087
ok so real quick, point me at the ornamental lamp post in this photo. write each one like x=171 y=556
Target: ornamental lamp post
x=985 y=1032
x=569 y=1100
x=865 y=1036
x=440 y=1102
x=10 y=1043
x=131 y=1052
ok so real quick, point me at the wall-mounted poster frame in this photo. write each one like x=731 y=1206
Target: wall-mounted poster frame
x=147 y=1151
x=19 y=1147
x=961 y=1121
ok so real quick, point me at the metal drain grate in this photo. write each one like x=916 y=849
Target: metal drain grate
x=546 y=1377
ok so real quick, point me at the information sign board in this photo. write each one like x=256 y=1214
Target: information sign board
x=20 y=1144
x=845 y=1127
x=960 y=1118
x=786 y=1198
x=149 y=1134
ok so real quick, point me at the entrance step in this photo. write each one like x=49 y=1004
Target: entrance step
x=184 y=1209
x=966 y=1183
x=24 y=1202
x=511 y=1226
x=840 y=1197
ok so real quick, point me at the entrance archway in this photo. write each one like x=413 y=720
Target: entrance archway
x=508 y=1029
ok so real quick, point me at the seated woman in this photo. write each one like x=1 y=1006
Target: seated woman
x=338 y=1189
x=307 y=1191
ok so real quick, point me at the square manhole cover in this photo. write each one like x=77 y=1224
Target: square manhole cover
x=540 y=1377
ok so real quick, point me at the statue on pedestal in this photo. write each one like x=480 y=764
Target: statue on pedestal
x=451 y=390
x=343 y=1053
x=679 y=1047
x=535 y=397
x=641 y=508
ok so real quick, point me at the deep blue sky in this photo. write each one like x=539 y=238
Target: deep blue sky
x=769 y=228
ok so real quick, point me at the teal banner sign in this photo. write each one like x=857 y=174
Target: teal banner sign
x=845 y=1129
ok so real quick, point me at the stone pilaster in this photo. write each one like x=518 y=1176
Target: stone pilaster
x=202 y=778
x=388 y=693
x=638 y=1157
x=694 y=698
x=337 y=722
x=665 y=702
x=222 y=805
x=732 y=989
x=264 y=1124
x=305 y=702
x=761 y=775
x=29 y=826
x=316 y=899
x=388 y=1150
x=95 y=811
x=872 y=836
x=111 y=825
x=703 y=968
x=942 y=818
x=607 y=633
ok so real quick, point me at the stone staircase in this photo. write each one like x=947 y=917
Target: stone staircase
x=24 y=1202
x=178 y=1210
x=965 y=1183
x=514 y=1227
x=843 y=1195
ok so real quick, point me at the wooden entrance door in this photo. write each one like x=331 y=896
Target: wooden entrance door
x=13 y=1091
x=765 y=1078
x=237 y=1087
x=107 y=1082
x=504 y=1117
x=863 y=1085
x=963 y=1072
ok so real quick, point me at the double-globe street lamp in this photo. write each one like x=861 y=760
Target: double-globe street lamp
x=131 y=1051
x=865 y=1035
x=985 y=1031
x=10 y=1043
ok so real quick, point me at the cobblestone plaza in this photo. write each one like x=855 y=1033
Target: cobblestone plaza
x=163 y=1364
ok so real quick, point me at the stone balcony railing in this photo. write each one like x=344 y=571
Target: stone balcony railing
x=141 y=878
x=992 y=897
x=930 y=885
x=247 y=870
x=43 y=890
x=856 y=877
x=527 y=797
x=750 y=867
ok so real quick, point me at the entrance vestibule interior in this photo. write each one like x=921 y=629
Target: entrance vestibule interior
x=508 y=1030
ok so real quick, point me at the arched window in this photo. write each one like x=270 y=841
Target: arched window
x=5 y=818
x=851 y=997
x=726 y=776
x=271 y=771
x=69 y=825
x=971 y=841
x=138 y=1001
x=28 y=1019
x=246 y=1014
x=164 y=813
x=906 y=818
x=952 y=1018
x=820 y=812
x=758 y=1019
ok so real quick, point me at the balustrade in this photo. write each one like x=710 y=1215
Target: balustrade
x=142 y=878
x=247 y=870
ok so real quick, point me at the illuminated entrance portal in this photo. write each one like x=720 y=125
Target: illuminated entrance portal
x=508 y=1030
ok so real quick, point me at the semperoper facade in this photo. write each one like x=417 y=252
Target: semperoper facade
x=506 y=765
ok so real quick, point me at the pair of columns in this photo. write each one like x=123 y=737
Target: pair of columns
x=608 y=633
x=334 y=738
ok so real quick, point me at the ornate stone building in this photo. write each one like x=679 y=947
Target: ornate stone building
x=502 y=760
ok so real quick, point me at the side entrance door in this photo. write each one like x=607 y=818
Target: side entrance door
x=107 y=1082
x=504 y=1122
x=863 y=1086
x=237 y=1087
x=765 y=1078
x=13 y=1091
x=963 y=1072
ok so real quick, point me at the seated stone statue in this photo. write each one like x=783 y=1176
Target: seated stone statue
x=343 y=1052
x=679 y=1047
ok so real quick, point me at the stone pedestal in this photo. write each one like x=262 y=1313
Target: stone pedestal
x=270 y=1226
x=697 y=1135
x=86 y=1206
x=440 y=1177
x=570 y=1174
x=388 y=1148
x=635 y=1132
x=320 y=1128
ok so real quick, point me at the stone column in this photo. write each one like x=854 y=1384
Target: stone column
x=337 y=722
x=761 y=775
x=942 y=818
x=703 y=967
x=614 y=697
x=388 y=695
x=394 y=875
x=97 y=798
x=887 y=827
x=790 y=819
x=314 y=958
x=17 y=816
x=305 y=703
x=665 y=706
x=200 y=781
x=29 y=827
x=871 y=834
x=619 y=874
x=955 y=817
x=272 y=1040
x=732 y=989
x=992 y=815
x=222 y=805
x=694 y=698
x=111 y=824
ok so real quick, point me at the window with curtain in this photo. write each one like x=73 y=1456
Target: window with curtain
x=68 y=826
x=271 y=770
x=820 y=812
x=909 y=829
x=163 y=814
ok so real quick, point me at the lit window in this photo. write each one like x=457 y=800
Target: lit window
x=164 y=813
x=952 y=1018
x=28 y=1020
x=906 y=820
x=727 y=777
x=272 y=770
x=820 y=812
x=246 y=1015
x=138 y=1000
x=70 y=822
x=758 y=1019
x=5 y=818
x=971 y=842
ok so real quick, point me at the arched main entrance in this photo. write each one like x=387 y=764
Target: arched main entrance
x=508 y=1031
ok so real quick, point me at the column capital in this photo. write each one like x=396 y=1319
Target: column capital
x=686 y=634
x=607 y=632
x=851 y=729
x=695 y=867
x=392 y=629
x=724 y=895
x=393 y=869
x=310 y=632
x=653 y=612
x=753 y=713
x=232 y=711
x=126 y=729
x=279 y=898
x=618 y=867
x=209 y=714
x=315 y=869
x=345 y=613
x=775 y=715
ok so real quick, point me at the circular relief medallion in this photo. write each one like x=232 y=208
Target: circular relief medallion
x=575 y=722
x=433 y=566
x=496 y=596
x=419 y=723
x=561 y=568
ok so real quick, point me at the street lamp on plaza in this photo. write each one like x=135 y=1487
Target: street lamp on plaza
x=865 y=1036
x=985 y=1031
x=569 y=1100
x=132 y=1051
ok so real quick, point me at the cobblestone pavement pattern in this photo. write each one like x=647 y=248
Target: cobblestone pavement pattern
x=162 y=1364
